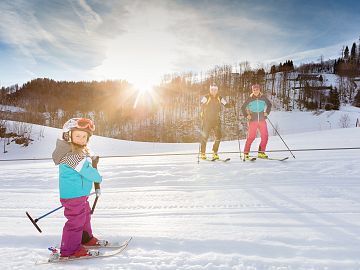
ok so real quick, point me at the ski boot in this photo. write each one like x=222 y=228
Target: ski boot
x=262 y=155
x=247 y=156
x=83 y=252
x=215 y=156
x=55 y=254
x=94 y=242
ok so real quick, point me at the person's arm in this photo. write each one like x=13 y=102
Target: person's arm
x=227 y=104
x=268 y=106
x=244 y=107
x=203 y=100
x=94 y=163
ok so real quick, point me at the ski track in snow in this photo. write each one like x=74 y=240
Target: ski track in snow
x=303 y=213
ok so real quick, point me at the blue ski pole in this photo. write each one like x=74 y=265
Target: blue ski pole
x=34 y=221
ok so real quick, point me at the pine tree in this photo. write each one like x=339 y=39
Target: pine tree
x=273 y=69
x=357 y=100
x=353 y=52
x=334 y=99
x=346 y=53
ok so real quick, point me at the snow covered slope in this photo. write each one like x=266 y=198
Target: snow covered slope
x=299 y=214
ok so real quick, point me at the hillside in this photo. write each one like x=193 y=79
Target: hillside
x=285 y=122
x=170 y=112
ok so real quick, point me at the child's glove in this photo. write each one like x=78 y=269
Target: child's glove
x=95 y=161
x=97 y=189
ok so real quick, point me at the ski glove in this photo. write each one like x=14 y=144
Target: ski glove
x=98 y=192
x=95 y=161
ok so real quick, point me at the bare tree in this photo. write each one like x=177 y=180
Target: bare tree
x=344 y=121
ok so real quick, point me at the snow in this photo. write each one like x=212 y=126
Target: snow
x=299 y=214
x=7 y=108
x=297 y=122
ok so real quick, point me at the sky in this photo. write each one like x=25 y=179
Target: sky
x=140 y=41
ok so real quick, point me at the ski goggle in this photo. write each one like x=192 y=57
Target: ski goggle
x=84 y=123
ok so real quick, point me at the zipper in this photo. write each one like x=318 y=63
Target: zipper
x=257 y=105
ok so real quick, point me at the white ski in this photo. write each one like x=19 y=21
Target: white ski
x=97 y=254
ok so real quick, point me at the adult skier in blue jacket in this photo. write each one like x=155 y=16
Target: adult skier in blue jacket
x=256 y=108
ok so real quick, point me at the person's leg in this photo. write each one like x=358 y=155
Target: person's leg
x=74 y=211
x=204 y=137
x=252 y=127
x=264 y=135
x=87 y=231
x=217 y=130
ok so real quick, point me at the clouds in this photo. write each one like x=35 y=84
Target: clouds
x=54 y=34
x=20 y=29
x=93 y=39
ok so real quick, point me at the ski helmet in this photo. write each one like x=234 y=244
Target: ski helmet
x=83 y=124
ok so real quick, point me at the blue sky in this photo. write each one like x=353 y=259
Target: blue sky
x=142 y=40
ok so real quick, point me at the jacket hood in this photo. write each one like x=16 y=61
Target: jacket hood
x=61 y=149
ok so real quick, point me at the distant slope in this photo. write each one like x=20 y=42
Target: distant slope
x=319 y=128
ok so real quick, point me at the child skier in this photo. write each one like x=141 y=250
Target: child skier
x=256 y=108
x=77 y=173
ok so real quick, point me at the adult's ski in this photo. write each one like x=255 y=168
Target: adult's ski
x=220 y=159
x=278 y=159
x=248 y=159
x=214 y=160
x=55 y=256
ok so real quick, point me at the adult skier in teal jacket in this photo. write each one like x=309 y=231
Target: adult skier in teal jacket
x=256 y=108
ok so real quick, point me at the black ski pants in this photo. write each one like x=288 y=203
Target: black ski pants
x=207 y=128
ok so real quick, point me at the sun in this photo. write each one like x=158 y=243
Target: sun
x=144 y=85
x=140 y=58
x=143 y=88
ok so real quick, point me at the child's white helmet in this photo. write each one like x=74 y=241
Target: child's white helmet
x=83 y=124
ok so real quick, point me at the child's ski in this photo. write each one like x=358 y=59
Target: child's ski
x=55 y=256
x=107 y=244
